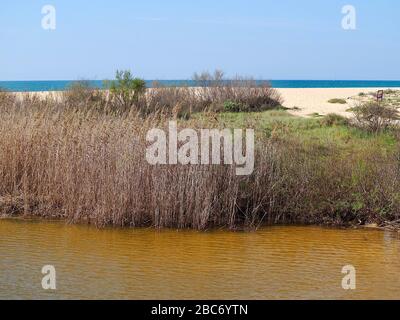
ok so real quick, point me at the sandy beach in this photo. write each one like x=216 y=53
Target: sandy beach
x=315 y=100
x=305 y=101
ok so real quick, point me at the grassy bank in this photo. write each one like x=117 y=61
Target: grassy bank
x=88 y=164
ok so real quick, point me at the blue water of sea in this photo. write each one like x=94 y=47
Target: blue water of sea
x=21 y=86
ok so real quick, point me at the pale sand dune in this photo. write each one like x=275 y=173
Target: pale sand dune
x=315 y=100
x=309 y=100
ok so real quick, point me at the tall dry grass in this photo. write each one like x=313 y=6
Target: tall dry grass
x=92 y=167
x=211 y=93
x=89 y=166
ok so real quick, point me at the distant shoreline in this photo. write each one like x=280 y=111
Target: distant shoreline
x=60 y=85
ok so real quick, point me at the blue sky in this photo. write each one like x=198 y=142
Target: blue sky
x=158 y=39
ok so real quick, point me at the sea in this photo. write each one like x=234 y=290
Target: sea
x=60 y=85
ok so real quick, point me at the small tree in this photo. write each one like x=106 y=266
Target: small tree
x=126 y=91
x=375 y=116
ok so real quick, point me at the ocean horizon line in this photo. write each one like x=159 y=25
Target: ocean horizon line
x=61 y=85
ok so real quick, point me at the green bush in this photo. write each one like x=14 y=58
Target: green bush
x=238 y=94
x=232 y=106
x=375 y=116
x=339 y=101
x=333 y=119
x=390 y=91
x=127 y=91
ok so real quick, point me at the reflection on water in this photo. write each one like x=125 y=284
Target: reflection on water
x=273 y=263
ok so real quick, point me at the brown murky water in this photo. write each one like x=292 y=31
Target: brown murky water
x=273 y=263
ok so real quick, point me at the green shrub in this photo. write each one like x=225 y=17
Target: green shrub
x=127 y=91
x=339 y=101
x=333 y=119
x=250 y=95
x=390 y=91
x=375 y=116
x=232 y=106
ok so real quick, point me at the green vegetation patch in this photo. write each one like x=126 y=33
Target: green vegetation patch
x=338 y=101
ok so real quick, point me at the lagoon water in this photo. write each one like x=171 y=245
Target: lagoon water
x=285 y=262
x=35 y=86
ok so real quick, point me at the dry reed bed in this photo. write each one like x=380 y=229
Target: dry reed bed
x=90 y=166
x=93 y=168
